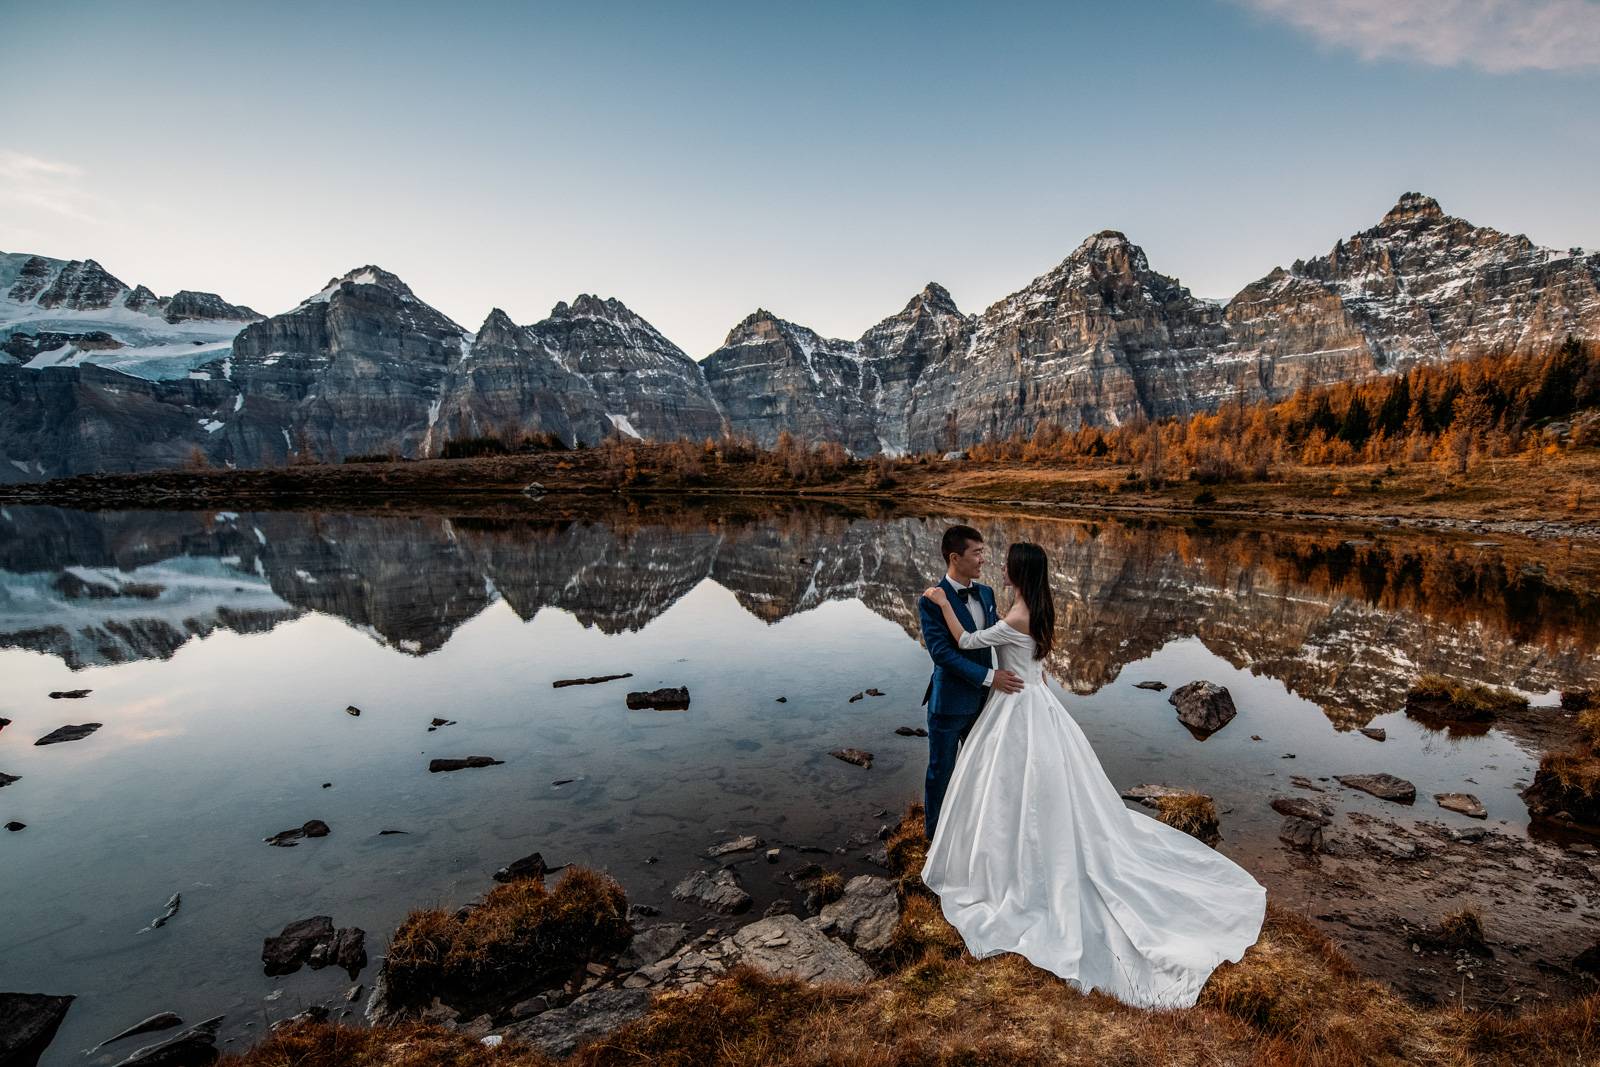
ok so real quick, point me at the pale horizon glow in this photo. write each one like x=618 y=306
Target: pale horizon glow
x=699 y=163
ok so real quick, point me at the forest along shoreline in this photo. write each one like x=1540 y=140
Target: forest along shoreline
x=1555 y=496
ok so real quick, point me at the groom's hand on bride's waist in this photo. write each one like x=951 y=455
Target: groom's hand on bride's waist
x=1007 y=681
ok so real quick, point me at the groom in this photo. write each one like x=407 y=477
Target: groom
x=961 y=679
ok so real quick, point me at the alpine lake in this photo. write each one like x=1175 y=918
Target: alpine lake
x=226 y=656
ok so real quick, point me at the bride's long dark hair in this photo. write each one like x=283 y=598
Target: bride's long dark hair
x=1029 y=571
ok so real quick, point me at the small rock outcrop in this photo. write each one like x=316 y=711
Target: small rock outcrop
x=717 y=891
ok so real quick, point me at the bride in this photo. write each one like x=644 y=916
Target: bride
x=1035 y=852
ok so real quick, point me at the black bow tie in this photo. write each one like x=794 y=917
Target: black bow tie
x=964 y=594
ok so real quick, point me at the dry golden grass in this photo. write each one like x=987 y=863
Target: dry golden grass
x=1466 y=700
x=1577 y=769
x=1294 y=1000
x=1464 y=928
x=1193 y=813
x=521 y=933
x=1589 y=724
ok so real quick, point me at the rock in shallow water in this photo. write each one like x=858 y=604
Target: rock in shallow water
x=164 y=1020
x=288 y=838
x=1465 y=803
x=859 y=757
x=286 y=953
x=438 y=765
x=1386 y=786
x=532 y=866
x=660 y=699
x=68 y=733
x=1203 y=706
x=747 y=843
x=194 y=1047
x=596 y=680
x=717 y=890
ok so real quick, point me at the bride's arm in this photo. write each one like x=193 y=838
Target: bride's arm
x=937 y=594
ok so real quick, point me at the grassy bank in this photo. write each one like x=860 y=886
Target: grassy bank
x=1294 y=999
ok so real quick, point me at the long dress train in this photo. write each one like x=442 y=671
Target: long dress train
x=1035 y=853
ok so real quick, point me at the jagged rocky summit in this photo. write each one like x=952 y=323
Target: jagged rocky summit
x=95 y=375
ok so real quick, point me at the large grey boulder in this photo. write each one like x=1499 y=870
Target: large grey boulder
x=560 y=1031
x=865 y=916
x=1203 y=706
x=789 y=947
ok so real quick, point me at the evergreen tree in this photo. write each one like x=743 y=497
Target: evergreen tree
x=1396 y=406
x=1357 y=425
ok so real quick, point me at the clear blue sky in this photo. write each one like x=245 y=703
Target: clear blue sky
x=823 y=161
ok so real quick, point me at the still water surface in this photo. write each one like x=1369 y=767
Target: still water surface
x=222 y=650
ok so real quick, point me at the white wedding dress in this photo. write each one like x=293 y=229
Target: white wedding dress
x=1035 y=853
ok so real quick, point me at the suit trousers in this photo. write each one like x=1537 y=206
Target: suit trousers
x=945 y=734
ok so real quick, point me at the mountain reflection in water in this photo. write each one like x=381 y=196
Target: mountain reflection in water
x=1345 y=622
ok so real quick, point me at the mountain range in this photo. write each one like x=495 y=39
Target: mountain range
x=96 y=375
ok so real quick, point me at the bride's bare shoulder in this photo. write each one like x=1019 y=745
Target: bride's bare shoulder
x=1017 y=619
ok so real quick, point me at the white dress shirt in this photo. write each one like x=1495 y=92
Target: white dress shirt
x=978 y=618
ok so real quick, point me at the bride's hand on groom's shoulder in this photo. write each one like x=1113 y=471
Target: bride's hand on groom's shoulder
x=935 y=593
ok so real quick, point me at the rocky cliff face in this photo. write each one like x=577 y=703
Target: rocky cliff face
x=592 y=369
x=1103 y=338
x=367 y=367
x=355 y=369
x=771 y=375
x=640 y=379
x=510 y=382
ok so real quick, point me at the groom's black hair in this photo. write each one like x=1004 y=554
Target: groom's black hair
x=955 y=540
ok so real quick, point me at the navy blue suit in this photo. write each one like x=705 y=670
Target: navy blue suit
x=955 y=692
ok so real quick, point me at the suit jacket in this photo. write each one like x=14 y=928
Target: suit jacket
x=956 y=688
